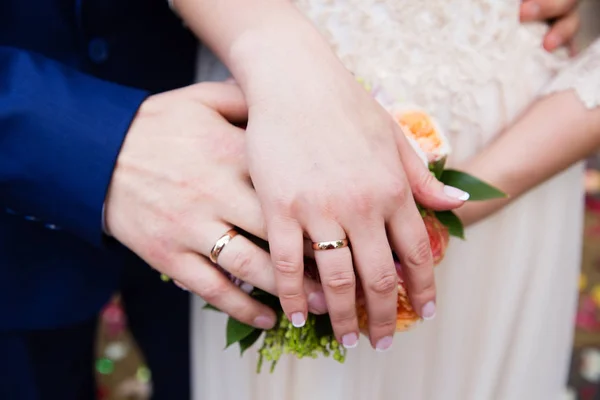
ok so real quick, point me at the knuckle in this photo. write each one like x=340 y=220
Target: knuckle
x=398 y=191
x=420 y=254
x=341 y=282
x=160 y=249
x=294 y=297
x=426 y=179
x=287 y=267
x=362 y=202
x=386 y=282
x=242 y=264
x=200 y=92
x=285 y=205
x=385 y=325
x=213 y=293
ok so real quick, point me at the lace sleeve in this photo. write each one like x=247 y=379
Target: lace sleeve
x=582 y=76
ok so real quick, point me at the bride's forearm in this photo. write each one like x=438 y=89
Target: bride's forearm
x=553 y=134
x=258 y=40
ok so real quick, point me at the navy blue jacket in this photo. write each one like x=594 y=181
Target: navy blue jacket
x=72 y=75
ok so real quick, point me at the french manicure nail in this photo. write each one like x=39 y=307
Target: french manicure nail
x=456 y=193
x=264 y=322
x=316 y=301
x=428 y=311
x=384 y=344
x=298 y=319
x=350 y=340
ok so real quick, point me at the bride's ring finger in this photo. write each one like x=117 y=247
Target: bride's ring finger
x=334 y=261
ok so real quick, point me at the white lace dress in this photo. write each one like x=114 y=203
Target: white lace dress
x=506 y=295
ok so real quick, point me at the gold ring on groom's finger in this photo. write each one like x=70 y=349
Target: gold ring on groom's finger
x=331 y=245
x=220 y=245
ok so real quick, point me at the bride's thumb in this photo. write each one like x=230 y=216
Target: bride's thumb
x=427 y=190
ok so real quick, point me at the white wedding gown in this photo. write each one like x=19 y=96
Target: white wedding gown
x=506 y=295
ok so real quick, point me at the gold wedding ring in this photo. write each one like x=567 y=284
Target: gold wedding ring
x=220 y=245
x=334 y=244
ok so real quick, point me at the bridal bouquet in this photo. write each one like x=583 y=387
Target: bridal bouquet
x=316 y=337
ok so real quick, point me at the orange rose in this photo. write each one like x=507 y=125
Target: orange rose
x=423 y=130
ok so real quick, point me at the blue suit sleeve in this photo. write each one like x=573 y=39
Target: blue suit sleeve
x=60 y=134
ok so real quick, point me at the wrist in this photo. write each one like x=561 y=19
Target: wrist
x=276 y=54
x=121 y=185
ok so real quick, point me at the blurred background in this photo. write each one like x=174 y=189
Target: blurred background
x=122 y=373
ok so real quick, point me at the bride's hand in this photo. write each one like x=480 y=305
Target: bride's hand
x=326 y=160
x=565 y=19
x=180 y=183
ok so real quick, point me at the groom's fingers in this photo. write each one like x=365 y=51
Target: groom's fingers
x=201 y=277
x=253 y=265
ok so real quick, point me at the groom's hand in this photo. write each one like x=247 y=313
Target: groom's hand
x=180 y=183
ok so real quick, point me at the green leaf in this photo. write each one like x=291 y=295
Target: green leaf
x=452 y=222
x=236 y=331
x=437 y=168
x=210 y=307
x=477 y=189
x=249 y=340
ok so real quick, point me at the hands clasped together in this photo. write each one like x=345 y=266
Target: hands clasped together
x=319 y=160
x=181 y=182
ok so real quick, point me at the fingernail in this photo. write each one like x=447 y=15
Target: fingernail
x=553 y=41
x=384 y=344
x=246 y=287
x=350 y=340
x=530 y=9
x=298 y=319
x=180 y=286
x=456 y=193
x=316 y=301
x=428 y=311
x=264 y=322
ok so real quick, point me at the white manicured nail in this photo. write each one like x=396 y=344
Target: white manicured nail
x=456 y=193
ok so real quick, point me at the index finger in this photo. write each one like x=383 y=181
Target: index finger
x=196 y=274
